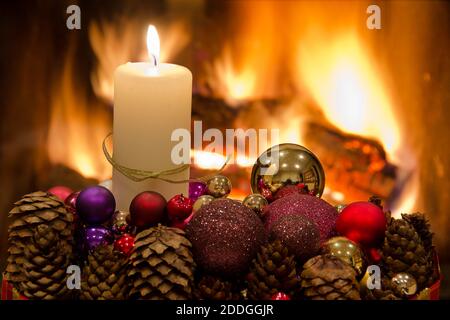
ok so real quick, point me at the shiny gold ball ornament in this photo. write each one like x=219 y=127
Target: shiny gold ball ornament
x=201 y=201
x=287 y=164
x=218 y=186
x=340 y=207
x=256 y=202
x=404 y=283
x=348 y=251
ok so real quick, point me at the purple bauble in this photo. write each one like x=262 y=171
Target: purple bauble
x=95 y=205
x=95 y=236
x=196 y=189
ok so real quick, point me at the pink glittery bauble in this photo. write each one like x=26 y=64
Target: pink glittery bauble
x=299 y=234
x=225 y=237
x=313 y=208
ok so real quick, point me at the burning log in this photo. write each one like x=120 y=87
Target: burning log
x=355 y=166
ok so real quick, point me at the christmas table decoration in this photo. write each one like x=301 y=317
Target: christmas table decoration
x=161 y=265
x=196 y=189
x=348 y=251
x=327 y=277
x=201 y=201
x=40 y=246
x=225 y=237
x=94 y=236
x=287 y=164
x=299 y=234
x=104 y=276
x=216 y=288
x=313 y=208
x=95 y=205
x=61 y=192
x=273 y=270
x=147 y=209
x=256 y=202
x=288 y=245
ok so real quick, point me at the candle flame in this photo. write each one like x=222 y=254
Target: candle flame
x=153 y=45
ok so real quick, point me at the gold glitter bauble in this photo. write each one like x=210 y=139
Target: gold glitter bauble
x=218 y=186
x=201 y=201
x=256 y=202
x=348 y=251
x=404 y=283
x=287 y=164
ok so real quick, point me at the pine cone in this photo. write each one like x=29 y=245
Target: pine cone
x=326 y=277
x=46 y=259
x=386 y=292
x=162 y=265
x=32 y=211
x=422 y=227
x=273 y=270
x=403 y=251
x=214 y=288
x=104 y=276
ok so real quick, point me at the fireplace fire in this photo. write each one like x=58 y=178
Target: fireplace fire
x=372 y=104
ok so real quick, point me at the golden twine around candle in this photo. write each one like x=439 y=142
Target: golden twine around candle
x=142 y=175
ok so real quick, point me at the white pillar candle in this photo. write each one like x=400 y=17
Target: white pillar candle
x=150 y=101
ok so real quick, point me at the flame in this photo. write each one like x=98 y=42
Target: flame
x=234 y=85
x=116 y=43
x=153 y=44
x=77 y=127
x=248 y=65
x=342 y=79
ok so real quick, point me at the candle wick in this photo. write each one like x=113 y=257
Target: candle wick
x=155 y=60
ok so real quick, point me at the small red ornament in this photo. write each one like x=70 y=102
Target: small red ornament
x=71 y=201
x=362 y=222
x=374 y=255
x=147 y=209
x=181 y=224
x=280 y=296
x=266 y=193
x=124 y=244
x=179 y=207
x=61 y=192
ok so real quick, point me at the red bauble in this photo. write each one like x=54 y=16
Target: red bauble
x=179 y=207
x=147 y=209
x=124 y=244
x=362 y=222
x=374 y=255
x=266 y=193
x=181 y=224
x=61 y=192
x=71 y=201
x=280 y=296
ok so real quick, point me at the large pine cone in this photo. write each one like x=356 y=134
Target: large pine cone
x=32 y=211
x=326 y=277
x=422 y=227
x=403 y=251
x=162 y=265
x=46 y=259
x=273 y=270
x=104 y=276
x=214 y=288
